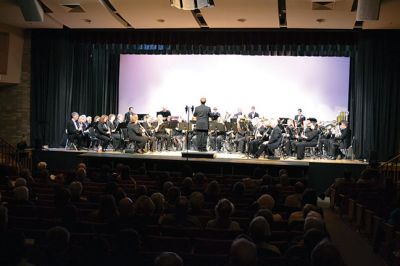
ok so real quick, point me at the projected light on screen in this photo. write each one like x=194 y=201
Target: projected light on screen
x=276 y=85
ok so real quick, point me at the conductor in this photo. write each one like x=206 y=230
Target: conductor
x=202 y=113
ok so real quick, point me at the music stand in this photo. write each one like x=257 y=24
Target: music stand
x=172 y=124
x=120 y=128
x=185 y=126
x=141 y=116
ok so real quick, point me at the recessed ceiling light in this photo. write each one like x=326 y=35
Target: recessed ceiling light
x=241 y=20
x=320 y=20
x=161 y=20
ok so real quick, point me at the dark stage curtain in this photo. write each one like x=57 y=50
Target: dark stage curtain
x=375 y=95
x=69 y=76
x=77 y=70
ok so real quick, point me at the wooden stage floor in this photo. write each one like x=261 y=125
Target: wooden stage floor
x=232 y=158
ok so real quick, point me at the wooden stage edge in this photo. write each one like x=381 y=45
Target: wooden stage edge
x=225 y=158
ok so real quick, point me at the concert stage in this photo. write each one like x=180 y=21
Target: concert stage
x=320 y=172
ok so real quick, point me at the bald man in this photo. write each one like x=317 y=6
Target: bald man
x=202 y=113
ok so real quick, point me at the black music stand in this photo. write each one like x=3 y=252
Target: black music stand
x=217 y=127
x=121 y=126
x=141 y=116
x=172 y=124
x=188 y=123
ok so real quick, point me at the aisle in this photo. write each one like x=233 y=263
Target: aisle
x=355 y=249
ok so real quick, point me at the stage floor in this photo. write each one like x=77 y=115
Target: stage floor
x=234 y=158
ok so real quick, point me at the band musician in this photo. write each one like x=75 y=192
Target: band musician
x=202 y=113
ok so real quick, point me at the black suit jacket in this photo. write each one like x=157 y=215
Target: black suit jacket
x=345 y=138
x=102 y=129
x=71 y=129
x=134 y=131
x=128 y=117
x=276 y=136
x=202 y=112
x=312 y=135
x=300 y=119
x=251 y=116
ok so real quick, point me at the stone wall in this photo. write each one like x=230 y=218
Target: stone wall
x=15 y=106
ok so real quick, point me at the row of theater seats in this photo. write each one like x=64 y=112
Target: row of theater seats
x=196 y=246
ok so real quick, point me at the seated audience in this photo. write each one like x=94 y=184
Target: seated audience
x=57 y=248
x=127 y=248
x=223 y=211
x=168 y=259
x=159 y=203
x=76 y=189
x=260 y=232
x=187 y=186
x=21 y=196
x=196 y=201
x=295 y=200
x=212 y=192
x=326 y=254
x=180 y=217
x=267 y=202
x=243 y=253
x=107 y=212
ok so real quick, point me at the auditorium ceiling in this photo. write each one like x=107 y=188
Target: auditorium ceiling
x=235 y=14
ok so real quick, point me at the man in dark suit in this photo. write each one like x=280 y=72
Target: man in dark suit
x=341 y=142
x=253 y=113
x=308 y=139
x=299 y=118
x=74 y=131
x=215 y=114
x=202 y=113
x=128 y=115
x=273 y=142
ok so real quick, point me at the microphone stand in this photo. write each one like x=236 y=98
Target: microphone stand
x=187 y=110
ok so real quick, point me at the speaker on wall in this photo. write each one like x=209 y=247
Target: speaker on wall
x=368 y=10
x=31 y=10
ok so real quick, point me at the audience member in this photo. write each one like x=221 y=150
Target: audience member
x=107 y=212
x=238 y=190
x=19 y=182
x=326 y=254
x=180 y=217
x=159 y=203
x=187 y=186
x=260 y=233
x=196 y=200
x=76 y=189
x=57 y=248
x=243 y=253
x=21 y=196
x=265 y=201
x=295 y=200
x=127 y=248
x=168 y=259
x=212 y=192
x=223 y=212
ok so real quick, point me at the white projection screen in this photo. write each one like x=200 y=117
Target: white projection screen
x=276 y=85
